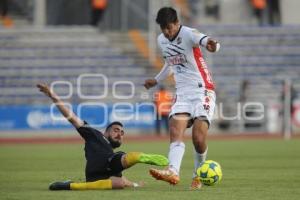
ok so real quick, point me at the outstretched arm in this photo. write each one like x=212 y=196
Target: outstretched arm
x=65 y=111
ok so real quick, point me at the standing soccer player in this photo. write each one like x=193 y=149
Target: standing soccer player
x=195 y=96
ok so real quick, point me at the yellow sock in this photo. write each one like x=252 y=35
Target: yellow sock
x=96 y=185
x=132 y=158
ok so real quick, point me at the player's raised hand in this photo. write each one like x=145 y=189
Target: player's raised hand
x=65 y=110
x=212 y=45
x=149 y=83
x=45 y=89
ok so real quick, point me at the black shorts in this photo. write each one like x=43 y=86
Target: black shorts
x=111 y=165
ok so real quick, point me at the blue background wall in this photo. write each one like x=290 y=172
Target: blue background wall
x=41 y=117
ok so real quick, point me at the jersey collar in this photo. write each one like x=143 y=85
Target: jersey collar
x=176 y=34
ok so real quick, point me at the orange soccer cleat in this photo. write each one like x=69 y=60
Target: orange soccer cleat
x=166 y=175
x=196 y=184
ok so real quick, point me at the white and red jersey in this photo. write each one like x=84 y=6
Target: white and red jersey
x=184 y=59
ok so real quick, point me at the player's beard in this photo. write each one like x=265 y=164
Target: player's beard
x=114 y=144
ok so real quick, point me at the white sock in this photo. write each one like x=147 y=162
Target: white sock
x=198 y=159
x=175 y=156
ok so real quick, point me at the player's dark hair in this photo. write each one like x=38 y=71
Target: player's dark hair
x=113 y=123
x=165 y=16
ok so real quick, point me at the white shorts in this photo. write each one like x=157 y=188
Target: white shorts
x=198 y=103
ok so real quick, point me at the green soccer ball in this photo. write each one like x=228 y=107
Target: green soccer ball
x=210 y=172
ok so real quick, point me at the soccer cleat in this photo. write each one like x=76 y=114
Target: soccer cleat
x=65 y=185
x=153 y=159
x=165 y=175
x=196 y=184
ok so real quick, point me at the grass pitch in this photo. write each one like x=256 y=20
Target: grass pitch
x=253 y=169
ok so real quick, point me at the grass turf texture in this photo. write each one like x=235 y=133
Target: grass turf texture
x=253 y=169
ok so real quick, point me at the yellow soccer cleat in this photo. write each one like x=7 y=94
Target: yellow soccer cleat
x=165 y=175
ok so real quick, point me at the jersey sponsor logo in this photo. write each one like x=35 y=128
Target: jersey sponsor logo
x=203 y=63
x=204 y=67
x=176 y=59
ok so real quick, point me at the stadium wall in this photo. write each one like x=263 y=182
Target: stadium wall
x=34 y=117
x=290 y=12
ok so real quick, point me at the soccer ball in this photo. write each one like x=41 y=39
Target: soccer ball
x=210 y=172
